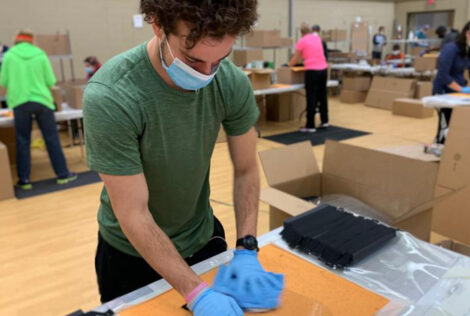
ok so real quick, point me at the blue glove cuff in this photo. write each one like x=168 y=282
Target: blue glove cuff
x=245 y=252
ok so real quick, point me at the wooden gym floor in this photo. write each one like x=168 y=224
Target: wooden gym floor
x=47 y=243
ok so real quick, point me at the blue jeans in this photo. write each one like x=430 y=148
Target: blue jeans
x=24 y=115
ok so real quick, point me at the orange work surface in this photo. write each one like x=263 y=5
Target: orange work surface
x=309 y=290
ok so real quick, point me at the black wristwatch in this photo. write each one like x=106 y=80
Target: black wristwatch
x=248 y=242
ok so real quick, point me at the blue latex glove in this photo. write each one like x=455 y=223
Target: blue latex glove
x=213 y=303
x=465 y=90
x=245 y=280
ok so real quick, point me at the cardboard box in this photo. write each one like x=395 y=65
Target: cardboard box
x=423 y=89
x=400 y=188
x=246 y=56
x=58 y=97
x=384 y=90
x=6 y=185
x=359 y=83
x=8 y=138
x=73 y=91
x=334 y=35
x=411 y=108
x=263 y=38
x=278 y=107
x=351 y=96
x=455 y=246
x=57 y=44
x=451 y=218
x=422 y=64
x=290 y=75
x=286 y=42
x=360 y=38
x=260 y=78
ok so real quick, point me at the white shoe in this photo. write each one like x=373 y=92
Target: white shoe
x=324 y=125
x=307 y=130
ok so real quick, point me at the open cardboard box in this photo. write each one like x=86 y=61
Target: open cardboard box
x=452 y=216
x=290 y=75
x=400 y=188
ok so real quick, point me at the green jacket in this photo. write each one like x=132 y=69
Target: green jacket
x=27 y=75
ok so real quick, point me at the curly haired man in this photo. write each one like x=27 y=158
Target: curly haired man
x=152 y=116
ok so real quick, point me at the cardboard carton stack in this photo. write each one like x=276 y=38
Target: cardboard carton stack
x=425 y=63
x=263 y=38
x=243 y=57
x=400 y=188
x=290 y=75
x=354 y=89
x=334 y=35
x=414 y=107
x=8 y=138
x=360 y=38
x=384 y=91
x=451 y=218
x=260 y=78
x=74 y=92
x=6 y=183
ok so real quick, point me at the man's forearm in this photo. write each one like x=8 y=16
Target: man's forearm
x=159 y=252
x=246 y=200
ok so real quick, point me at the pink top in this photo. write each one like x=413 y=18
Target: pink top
x=311 y=47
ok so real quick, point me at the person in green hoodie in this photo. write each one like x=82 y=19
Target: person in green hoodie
x=27 y=75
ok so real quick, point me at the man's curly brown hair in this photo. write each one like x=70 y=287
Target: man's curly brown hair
x=205 y=18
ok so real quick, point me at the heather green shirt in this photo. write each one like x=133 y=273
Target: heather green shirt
x=135 y=122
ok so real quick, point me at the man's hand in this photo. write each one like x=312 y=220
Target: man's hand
x=245 y=280
x=212 y=303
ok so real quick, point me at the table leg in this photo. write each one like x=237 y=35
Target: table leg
x=69 y=128
x=80 y=135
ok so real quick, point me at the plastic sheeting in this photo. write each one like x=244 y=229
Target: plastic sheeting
x=446 y=101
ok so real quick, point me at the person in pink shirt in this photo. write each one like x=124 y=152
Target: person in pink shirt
x=310 y=49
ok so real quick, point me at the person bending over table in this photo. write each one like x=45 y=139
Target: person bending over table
x=27 y=75
x=453 y=61
x=152 y=115
x=310 y=49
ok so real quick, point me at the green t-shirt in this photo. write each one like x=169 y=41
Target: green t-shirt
x=135 y=122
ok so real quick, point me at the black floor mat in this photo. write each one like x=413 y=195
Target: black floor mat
x=318 y=138
x=50 y=185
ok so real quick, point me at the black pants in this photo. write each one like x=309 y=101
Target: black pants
x=444 y=120
x=119 y=273
x=24 y=115
x=315 y=88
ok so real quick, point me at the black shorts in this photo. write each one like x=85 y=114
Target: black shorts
x=119 y=273
x=376 y=55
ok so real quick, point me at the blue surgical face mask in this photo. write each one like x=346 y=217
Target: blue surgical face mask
x=89 y=70
x=183 y=75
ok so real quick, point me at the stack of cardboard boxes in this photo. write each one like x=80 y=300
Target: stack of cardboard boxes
x=425 y=63
x=354 y=89
x=6 y=182
x=286 y=106
x=263 y=38
x=414 y=107
x=243 y=57
x=334 y=35
x=384 y=91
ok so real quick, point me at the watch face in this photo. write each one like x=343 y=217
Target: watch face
x=251 y=243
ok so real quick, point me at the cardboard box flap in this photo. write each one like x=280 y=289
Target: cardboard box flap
x=285 y=202
x=454 y=171
x=360 y=173
x=293 y=169
x=415 y=151
x=428 y=205
x=296 y=69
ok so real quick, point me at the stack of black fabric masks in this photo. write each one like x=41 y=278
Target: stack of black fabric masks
x=336 y=237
